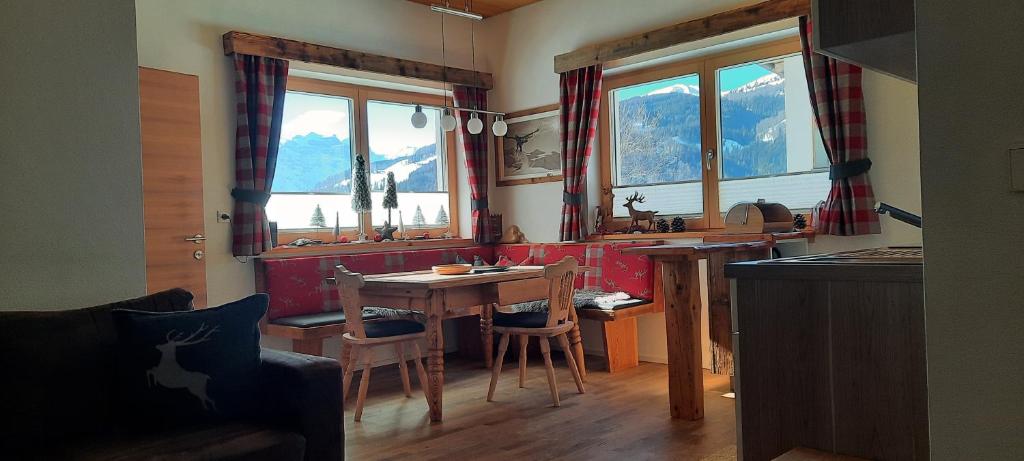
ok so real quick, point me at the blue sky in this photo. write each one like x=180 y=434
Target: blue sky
x=731 y=79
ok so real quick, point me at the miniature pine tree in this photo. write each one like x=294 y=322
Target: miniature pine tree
x=337 y=225
x=417 y=219
x=318 y=219
x=390 y=195
x=361 y=202
x=442 y=217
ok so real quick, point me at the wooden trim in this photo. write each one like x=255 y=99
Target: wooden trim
x=499 y=148
x=293 y=50
x=360 y=248
x=685 y=32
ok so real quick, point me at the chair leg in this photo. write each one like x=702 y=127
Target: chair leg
x=564 y=342
x=524 y=340
x=496 y=369
x=364 y=383
x=545 y=349
x=350 y=369
x=577 y=348
x=421 y=374
x=403 y=369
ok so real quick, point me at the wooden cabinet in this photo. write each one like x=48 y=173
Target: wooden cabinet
x=830 y=356
x=875 y=34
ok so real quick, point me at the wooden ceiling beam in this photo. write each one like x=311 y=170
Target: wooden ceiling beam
x=685 y=32
x=293 y=50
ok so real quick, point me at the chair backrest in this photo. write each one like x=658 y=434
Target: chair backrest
x=349 y=284
x=561 y=278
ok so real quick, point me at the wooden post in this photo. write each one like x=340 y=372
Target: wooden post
x=435 y=353
x=681 y=280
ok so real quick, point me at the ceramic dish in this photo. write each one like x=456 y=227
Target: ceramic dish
x=452 y=269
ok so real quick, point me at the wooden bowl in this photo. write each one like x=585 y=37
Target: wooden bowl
x=452 y=269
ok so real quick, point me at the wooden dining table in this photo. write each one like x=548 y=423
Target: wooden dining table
x=442 y=297
x=680 y=275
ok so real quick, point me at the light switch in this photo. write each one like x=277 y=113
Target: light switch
x=1017 y=170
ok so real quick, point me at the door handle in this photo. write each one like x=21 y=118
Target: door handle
x=711 y=159
x=196 y=239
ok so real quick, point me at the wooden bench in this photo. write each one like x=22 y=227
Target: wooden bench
x=619 y=328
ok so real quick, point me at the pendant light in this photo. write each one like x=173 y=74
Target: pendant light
x=499 y=128
x=448 y=122
x=474 y=125
x=419 y=119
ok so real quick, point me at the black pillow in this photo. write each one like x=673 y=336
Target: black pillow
x=185 y=367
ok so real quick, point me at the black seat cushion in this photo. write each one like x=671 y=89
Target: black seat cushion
x=386 y=328
x=319 y=319
x=521 y=319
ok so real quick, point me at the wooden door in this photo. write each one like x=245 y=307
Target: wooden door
x=172 y=182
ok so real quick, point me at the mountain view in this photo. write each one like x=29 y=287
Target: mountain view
x=659 y=134
x=323 y=164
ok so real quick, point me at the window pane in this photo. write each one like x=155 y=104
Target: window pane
x=415 y=155
x=314 y=163
x=656 y=141
x=763 y=155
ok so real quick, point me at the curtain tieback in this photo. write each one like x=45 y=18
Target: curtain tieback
x=479 y=204
x=849 y=169
x=251 y=196
x=570 y=198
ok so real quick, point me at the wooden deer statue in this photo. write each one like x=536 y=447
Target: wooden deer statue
x=635 y=215
x=169 y=373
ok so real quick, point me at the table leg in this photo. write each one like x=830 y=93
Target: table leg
x=435 y=354
x=682 y=321
x=487 y=333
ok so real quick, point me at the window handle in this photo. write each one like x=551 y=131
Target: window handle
x=195 y=239
x=711 y=159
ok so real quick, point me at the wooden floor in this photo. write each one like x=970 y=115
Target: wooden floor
x=622 y=416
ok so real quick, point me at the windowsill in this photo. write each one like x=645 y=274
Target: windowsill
x=712 y=235
x=330 y=249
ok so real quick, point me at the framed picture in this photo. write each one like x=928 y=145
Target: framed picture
x=530 y=152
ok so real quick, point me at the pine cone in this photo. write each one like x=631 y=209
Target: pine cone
x=663 y=226
x=799 y=222
x=678 y=224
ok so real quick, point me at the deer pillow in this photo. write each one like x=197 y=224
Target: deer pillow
x=188 y=366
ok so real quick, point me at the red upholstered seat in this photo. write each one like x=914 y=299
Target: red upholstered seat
x=297 y=286
x=611 y=270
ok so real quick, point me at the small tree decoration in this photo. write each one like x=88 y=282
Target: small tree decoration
x=337 y=226
x=318 y=218
x=361 y=202
x=390 y=203
x=401 y=226
x=678 y=224
x=442 y=217
x=417 y=219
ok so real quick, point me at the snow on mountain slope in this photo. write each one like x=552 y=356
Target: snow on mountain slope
x=677 y=88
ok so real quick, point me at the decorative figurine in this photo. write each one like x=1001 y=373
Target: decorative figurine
x=636 y=215
x=390 y=203
x=678 y=224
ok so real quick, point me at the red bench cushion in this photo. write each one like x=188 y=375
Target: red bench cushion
x=612 y=270
x=297 y=285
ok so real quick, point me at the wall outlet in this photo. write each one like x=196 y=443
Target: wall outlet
x=1017 y=169
x=223 y=217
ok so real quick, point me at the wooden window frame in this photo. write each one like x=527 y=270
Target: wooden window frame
x=360 y=96
x=706 y=67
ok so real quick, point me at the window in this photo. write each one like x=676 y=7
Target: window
x=326 y=125
x=697 y=137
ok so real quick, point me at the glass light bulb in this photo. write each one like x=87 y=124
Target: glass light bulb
x=419 y=119
x=448 y=121
x=474 y=126
x=499 y=128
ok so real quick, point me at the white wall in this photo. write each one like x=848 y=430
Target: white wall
x=972 y=111
x=185 y=36
x=70 y=162
x=523 y=44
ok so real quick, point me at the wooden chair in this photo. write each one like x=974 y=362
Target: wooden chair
x=363 y=337
x=555 y=323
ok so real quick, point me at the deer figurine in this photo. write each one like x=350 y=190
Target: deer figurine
x=635 y=215
x=168 y=373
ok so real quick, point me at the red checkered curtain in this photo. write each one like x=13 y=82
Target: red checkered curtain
x=838 y=102
x=580 y=107
x=475 y=146
x=259 y=90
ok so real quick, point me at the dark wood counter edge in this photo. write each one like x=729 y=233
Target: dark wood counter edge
x=825 y=271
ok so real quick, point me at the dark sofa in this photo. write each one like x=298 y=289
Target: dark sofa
x=57 y=397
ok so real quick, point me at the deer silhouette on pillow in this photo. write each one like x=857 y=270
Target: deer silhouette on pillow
x=169 y=373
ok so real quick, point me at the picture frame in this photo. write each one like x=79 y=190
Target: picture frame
x=530 y=153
